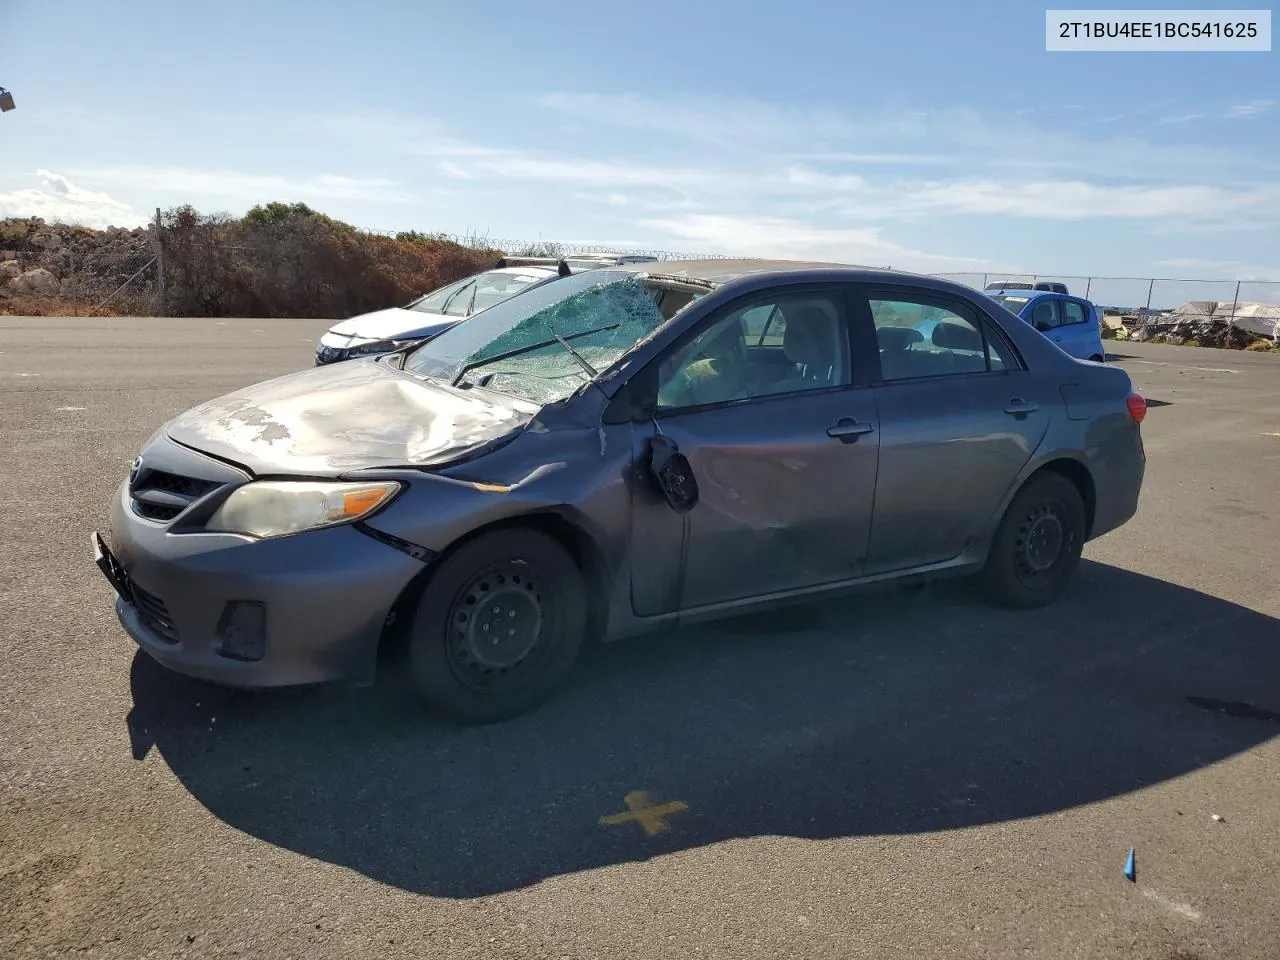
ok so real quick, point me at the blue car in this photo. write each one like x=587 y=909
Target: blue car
x=1070 y=322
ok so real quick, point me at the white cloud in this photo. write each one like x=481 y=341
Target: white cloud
x=1250 y=110
x=967 y=139
x=58 y=200
x=451 y=169
x=1076 y=200
x=834 y=183
x=858 y=197
x=797 y=239
x=1227 y=269
x=723 y=122
x=647 y=202
x=607 y=173
x=190 y=183
x=875 y=159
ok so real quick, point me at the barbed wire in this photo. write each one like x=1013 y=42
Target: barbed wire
x=555 y=247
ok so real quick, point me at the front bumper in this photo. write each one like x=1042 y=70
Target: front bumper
x=326 y=595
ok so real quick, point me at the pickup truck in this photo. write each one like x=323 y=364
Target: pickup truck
x=1049 y=286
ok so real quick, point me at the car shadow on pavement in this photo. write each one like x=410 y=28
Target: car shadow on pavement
x=886 y=712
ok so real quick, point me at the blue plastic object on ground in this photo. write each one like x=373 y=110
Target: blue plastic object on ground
x=1130 y=868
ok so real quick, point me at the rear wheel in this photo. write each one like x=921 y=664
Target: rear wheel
x=498 y=627
x=1097 y=358
x=1037 y=546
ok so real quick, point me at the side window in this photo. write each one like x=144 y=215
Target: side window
x=919 y=339
x=1045 y=315
x=725 y=362
x=1072 y=312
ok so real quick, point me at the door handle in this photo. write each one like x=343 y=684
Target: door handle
x=847 y=430
x=1017 y=407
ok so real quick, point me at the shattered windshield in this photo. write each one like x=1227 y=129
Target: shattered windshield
x=545 y=343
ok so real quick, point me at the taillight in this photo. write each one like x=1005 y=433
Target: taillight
x=1137 y=405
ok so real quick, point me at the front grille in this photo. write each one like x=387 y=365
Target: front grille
x=158 y=495
x=156 y=511
x=187 y=487
x=154 y=613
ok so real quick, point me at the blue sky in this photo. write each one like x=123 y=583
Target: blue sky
x=925 y=135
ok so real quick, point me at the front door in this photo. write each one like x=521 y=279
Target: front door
x=959 y=417
x=783 y=444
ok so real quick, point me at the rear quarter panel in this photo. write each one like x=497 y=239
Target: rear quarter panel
x=1089 y=425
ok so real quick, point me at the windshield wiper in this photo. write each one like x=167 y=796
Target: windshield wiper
x=555 y=338
x=591 y=371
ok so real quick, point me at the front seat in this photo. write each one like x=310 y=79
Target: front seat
x=719 y=375
x=811 y=343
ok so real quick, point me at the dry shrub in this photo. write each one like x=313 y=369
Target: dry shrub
x=1261 y=346
x=26 y=305
x=287 y=260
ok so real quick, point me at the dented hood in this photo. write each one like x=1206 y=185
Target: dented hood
x=347 y=416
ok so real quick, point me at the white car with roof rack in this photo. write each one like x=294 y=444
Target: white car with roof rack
x=385 y=331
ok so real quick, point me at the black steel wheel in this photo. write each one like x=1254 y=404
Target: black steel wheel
x=1037 y=546
x=496 y=638
x=498 y=627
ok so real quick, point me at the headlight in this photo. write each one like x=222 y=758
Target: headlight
x=276 y=508
x=377 y=346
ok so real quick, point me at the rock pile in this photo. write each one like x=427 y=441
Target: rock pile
x=1202 y=331
x=14 y=280
x=50 y=259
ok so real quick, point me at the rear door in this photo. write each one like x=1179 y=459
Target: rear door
x=764 y=400
x=1078 y=332
x=959 y=417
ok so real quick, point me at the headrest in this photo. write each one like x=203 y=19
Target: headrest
x=810 y=336
x=957 y=336
x=898 y=338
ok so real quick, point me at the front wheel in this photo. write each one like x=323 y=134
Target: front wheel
x=1037 y=546
x=498 y=627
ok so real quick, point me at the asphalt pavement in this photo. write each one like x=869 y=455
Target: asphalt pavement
x=896 y=774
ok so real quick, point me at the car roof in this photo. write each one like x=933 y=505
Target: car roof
x=717 y=273
x=530 y=271
x=1028 y=294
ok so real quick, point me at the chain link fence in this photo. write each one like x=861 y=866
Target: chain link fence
x=69 y=270
x=1226 y=313
x=1136 y=295
x=74 y=271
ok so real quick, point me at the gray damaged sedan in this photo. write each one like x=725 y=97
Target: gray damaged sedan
x=610 y=453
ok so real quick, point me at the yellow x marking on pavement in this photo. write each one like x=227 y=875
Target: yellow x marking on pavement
x=642 y=809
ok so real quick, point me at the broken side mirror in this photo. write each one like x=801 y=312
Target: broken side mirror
x=673 y=474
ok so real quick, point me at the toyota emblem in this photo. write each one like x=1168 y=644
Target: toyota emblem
x=134 y=468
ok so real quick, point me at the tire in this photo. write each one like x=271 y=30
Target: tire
x=521 y=581
x=1097 y=359
x=1036 y=547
